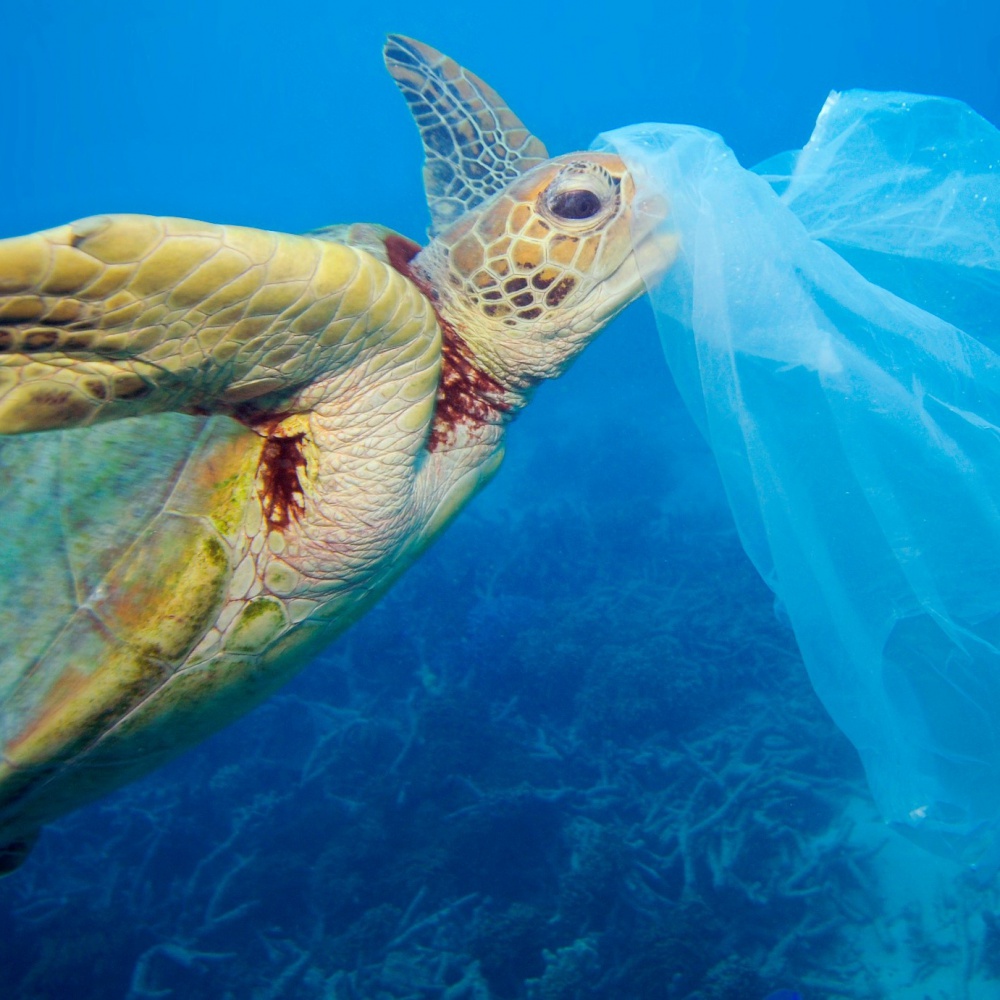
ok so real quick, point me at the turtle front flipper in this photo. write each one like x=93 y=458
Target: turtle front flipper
x=122 y=315
x=474 y=145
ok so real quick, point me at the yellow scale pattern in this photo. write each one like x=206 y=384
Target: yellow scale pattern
x=121 y=315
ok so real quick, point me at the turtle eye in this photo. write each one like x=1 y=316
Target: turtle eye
x=580 y=198
x=578 y=203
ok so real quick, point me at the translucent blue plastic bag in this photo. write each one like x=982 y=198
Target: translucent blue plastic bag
x=833 y=323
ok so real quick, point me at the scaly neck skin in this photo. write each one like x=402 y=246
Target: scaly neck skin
x=371 y=508
x=515 y=354
x=479 y=385
x=474 y=404
x=377 y=483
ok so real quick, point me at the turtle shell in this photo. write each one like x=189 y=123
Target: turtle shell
x=121 y=540
x=88 y=531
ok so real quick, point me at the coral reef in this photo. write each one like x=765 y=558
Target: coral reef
x=585 y=765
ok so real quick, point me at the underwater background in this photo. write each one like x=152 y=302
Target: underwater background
x=573 y=754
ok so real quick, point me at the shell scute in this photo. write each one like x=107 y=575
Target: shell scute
x=23 y=308
x=260 y=623
x=222 y=267
x=86 y=682
x=70 y=270
x=122 y=239
x=168 y=588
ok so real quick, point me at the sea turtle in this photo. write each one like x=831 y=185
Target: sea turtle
x=309 y=412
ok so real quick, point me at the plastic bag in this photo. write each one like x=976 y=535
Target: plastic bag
x=832 y=322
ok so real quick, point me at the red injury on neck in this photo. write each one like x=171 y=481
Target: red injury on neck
x=282 y=499
x=466 y=394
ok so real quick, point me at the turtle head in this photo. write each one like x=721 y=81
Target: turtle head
x=530 y=256
x=529 y=277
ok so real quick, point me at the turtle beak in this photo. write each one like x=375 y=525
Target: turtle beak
x=654 y=243
x=653 y=251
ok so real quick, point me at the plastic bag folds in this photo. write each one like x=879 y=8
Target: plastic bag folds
x=833 y=323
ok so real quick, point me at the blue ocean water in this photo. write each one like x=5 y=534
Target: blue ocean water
x=574 y=753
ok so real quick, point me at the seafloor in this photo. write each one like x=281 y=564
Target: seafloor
x=574 y=755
